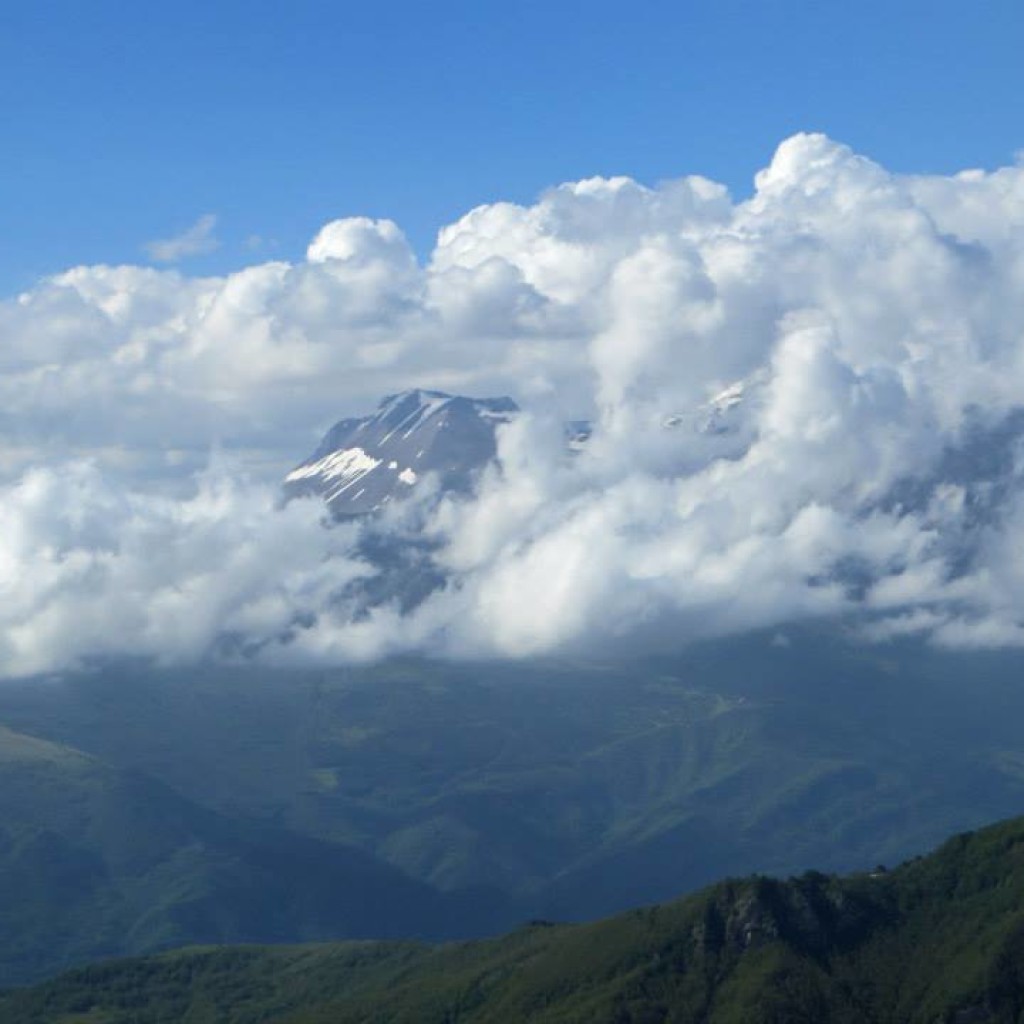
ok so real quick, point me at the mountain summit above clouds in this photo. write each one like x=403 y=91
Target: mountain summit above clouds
x=363 y=463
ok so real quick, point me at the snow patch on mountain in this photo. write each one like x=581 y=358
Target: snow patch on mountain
x=348 y=463
x=448 y=436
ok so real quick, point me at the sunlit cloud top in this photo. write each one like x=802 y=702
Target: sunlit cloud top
x=857 y=337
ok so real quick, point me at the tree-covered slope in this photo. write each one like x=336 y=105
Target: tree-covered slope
x=940 y=939
x=98 y=861
x=577 y=789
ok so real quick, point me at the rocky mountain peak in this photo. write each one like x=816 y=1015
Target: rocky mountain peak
x=363 y=463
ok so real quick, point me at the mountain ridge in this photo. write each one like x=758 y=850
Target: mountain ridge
x=938 y=940
x=99 y=860
x=574 y=790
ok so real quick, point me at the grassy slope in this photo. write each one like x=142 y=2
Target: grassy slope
x=940 y=939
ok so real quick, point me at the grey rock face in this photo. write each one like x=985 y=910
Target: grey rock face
x=366 y=462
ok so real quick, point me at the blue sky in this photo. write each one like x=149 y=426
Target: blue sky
x=123 y=123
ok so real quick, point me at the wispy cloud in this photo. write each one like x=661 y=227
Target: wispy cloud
x=198 y=238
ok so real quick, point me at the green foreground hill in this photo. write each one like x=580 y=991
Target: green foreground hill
x=939 y=939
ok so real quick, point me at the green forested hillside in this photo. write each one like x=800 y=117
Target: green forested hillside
x=940 y=939
x=97 y=861
x=417 y=798
x=577 y=789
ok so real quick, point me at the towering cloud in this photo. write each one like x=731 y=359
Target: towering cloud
x=806 y=403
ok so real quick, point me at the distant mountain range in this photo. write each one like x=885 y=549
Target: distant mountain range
x=939 y=940
x=100 y=860
x=144 y=808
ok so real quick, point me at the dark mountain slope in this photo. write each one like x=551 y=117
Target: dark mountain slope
x=578 y=789
x=98 y=861
x=937 y=941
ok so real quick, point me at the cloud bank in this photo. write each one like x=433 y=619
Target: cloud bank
x=805 y=404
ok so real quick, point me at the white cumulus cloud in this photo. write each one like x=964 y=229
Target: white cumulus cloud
x=805 y=404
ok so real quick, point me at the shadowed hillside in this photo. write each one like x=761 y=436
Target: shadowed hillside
x=940 y=939
x=576 y=789
x=97 y=861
